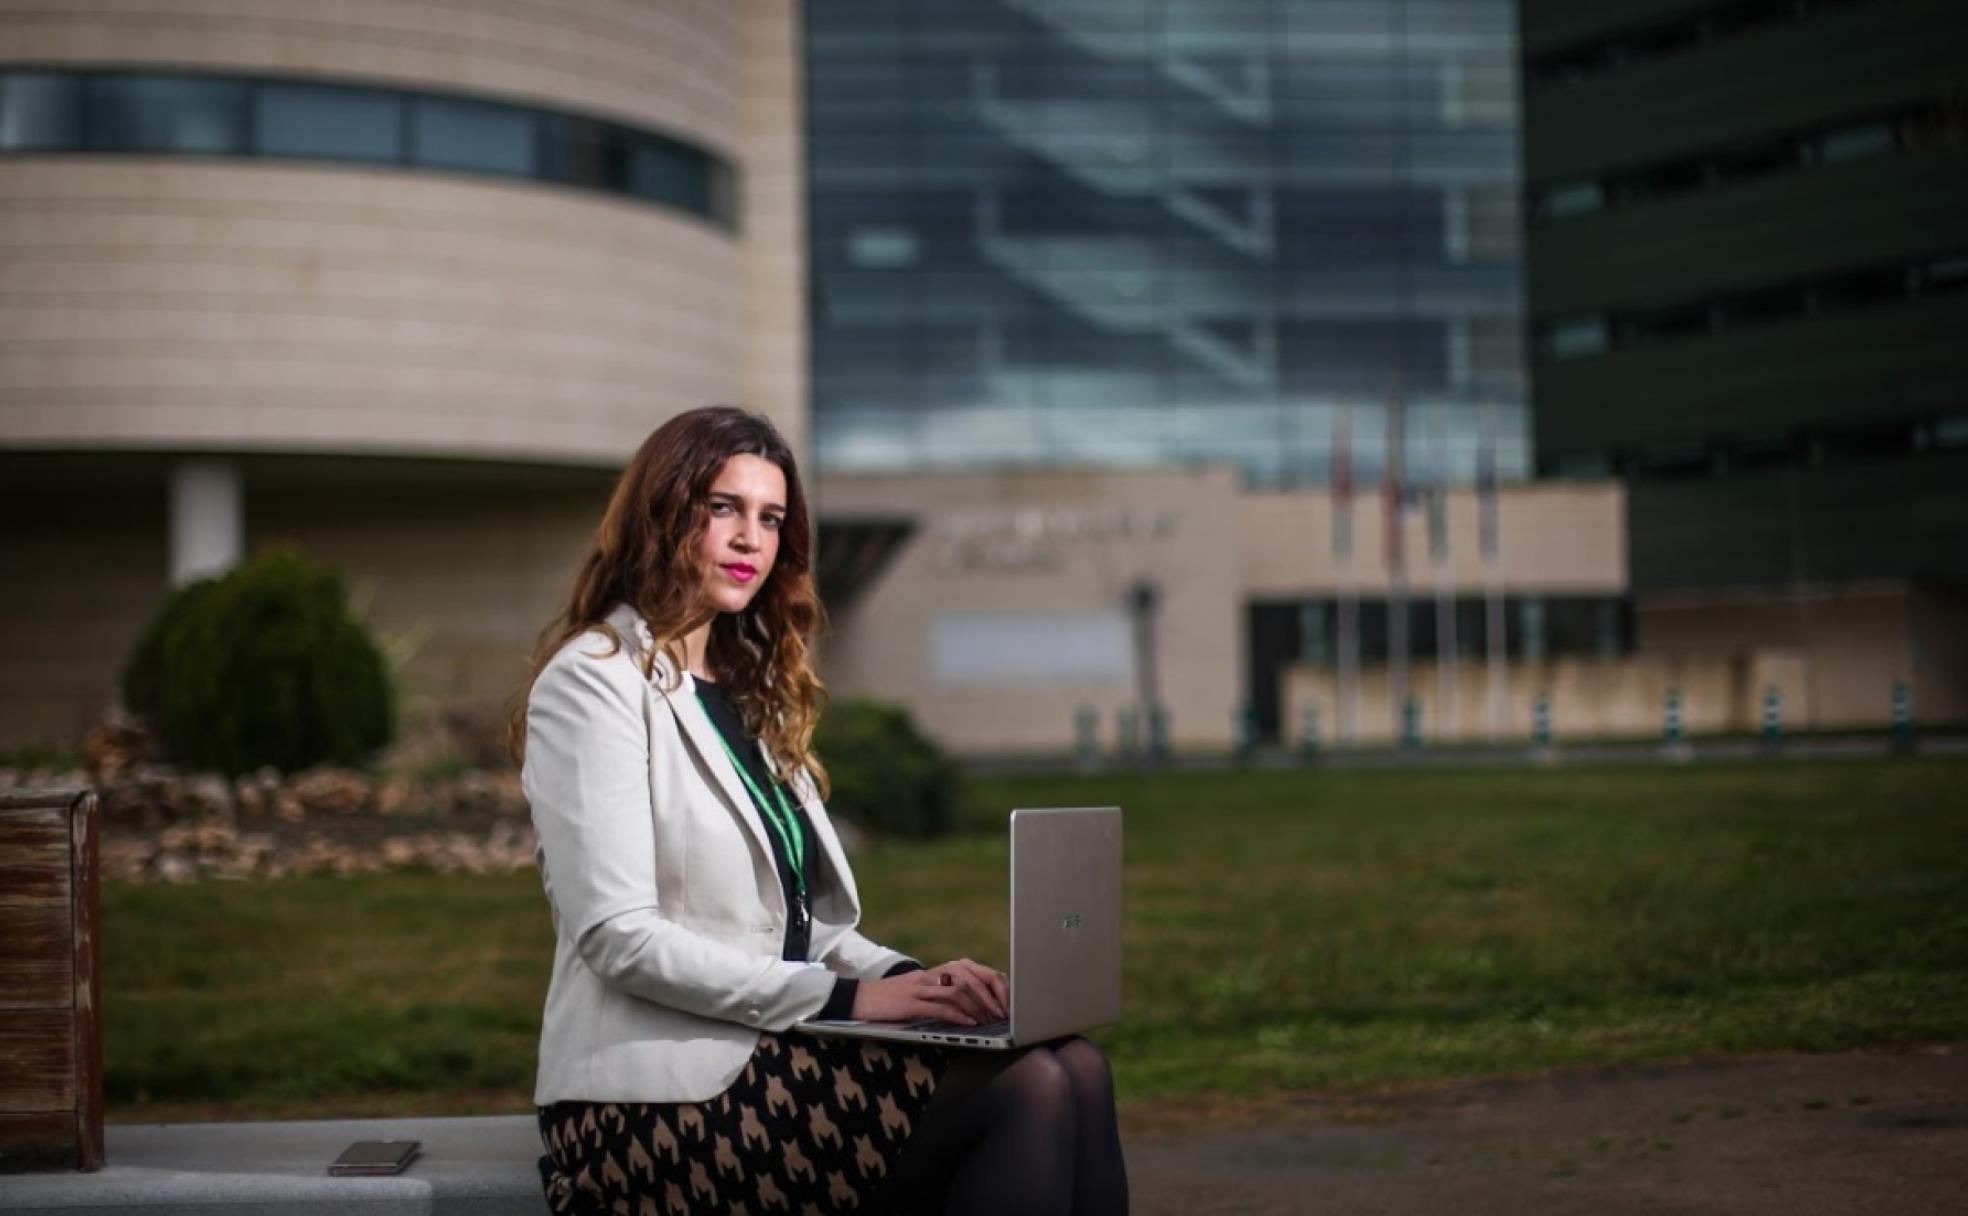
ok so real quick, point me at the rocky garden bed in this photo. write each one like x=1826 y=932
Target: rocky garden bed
x=162 y=825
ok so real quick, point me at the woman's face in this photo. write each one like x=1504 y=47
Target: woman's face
x=747 y=505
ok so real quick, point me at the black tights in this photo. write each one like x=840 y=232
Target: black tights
x=1029 y=1131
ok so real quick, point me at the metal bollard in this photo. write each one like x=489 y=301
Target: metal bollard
x=1086 y=735
x=1158 y=733
x=1308 y=732
x=1671 y=734
x=1772 y=716
x=1127 y=732
x=1541 y=721
x=1243 y=728
x=1410 y=724
x=1902 y=716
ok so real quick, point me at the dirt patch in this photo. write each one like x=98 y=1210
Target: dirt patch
x=1849 y=1133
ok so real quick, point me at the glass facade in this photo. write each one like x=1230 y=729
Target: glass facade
x=1131 y=232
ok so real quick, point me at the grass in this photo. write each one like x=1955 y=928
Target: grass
x=1288 y=933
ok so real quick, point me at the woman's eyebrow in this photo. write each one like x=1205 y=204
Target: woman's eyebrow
x=739 y=499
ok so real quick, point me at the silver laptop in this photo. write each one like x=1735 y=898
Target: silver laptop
x=1065 y=937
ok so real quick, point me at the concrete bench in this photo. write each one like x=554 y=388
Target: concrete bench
x=479 y=1166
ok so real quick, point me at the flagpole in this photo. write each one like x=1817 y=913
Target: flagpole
x=1447 y=712
x=1349 y=594
x=1486 y=512
x=1394 y=489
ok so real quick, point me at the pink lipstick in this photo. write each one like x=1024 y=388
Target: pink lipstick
x=740 y=572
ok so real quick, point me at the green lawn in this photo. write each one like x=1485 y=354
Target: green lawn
x=1287 y=933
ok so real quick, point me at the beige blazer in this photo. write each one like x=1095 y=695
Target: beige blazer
x=668 y=915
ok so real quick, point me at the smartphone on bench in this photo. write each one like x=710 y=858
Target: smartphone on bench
x=374 y=1158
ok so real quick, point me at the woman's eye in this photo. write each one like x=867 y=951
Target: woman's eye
x=720 y=508
x=772 y=521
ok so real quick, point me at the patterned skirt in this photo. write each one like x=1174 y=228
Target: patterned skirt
x=812 y=1125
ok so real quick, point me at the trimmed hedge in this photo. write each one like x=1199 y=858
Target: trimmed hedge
x=886 y=775
x=263 y=666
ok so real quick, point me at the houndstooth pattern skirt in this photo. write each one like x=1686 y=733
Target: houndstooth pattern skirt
x=813 y=1125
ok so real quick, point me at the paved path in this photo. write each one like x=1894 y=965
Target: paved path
x=1847 y=1134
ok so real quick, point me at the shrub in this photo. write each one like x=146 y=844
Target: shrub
x=264 y=666
x=886 y=775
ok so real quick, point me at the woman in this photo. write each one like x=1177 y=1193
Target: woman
x=702 y=903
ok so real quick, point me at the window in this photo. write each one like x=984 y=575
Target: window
x=662 y=172
x=212 y=115
x=1570 y=198
x=582 y=153
x=1576 y=337
x=1856 y=143
x=473 y=135
x=166 y=114
x=329 y=123
x=39 y=110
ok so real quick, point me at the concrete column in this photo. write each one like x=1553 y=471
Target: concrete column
x=208 y=519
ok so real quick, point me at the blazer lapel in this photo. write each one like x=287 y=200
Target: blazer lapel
x=674 y=690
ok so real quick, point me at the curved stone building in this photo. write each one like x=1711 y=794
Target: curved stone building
x=402 y=283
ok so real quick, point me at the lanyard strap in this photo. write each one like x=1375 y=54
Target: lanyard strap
x=785 y=824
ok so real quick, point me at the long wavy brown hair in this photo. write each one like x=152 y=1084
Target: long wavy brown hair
x=644 y=552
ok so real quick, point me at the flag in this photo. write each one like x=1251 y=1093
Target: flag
x=1438 y=521
x=1438 y=494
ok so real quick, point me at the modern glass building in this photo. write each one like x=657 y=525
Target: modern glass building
x=1149 y=232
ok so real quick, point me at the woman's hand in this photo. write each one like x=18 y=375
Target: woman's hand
x=962 y=992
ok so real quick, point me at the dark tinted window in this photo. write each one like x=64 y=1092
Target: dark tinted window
x=472 y=135
x=337 y=124
x=39 y=110
x=212 y=115
x=166 y=114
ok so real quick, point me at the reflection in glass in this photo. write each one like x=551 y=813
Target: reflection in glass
x=39 y=110
x=1175 y=230
x=668 y=174
x=472 y=135
x=208 y=114
x=130 y=113
x=332 y=123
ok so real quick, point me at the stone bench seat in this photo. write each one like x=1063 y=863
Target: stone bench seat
x=470 y=1165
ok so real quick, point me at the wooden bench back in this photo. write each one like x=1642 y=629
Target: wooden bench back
x=50 y=982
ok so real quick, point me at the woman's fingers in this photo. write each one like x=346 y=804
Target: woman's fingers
x=972 y=984
x=990 y=987
x=981 y=1000
x=939 y=1001
x=996 y=992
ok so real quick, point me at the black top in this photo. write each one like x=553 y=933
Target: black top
x=799 y=930
x=725 y=717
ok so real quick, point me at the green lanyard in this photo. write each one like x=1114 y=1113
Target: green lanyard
x=785 y=824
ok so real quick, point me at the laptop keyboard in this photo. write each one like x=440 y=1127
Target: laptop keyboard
x=987 y=1030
